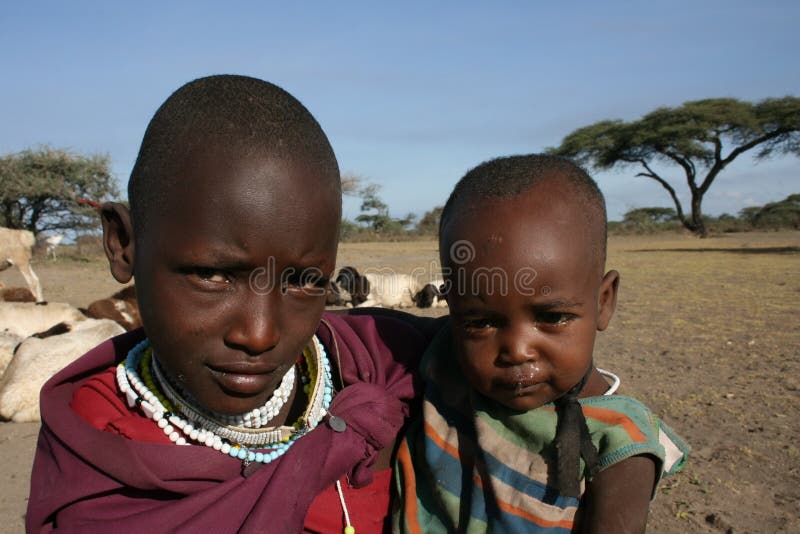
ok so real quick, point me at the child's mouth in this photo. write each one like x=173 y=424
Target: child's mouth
x=523 y=377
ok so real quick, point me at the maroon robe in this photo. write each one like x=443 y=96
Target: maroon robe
x=88 y=480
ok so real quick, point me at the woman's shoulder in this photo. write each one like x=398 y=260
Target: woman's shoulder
x=99 y=402
x=388 y=318
x=382 y=336
x=97 y=399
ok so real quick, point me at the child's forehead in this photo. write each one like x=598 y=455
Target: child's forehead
x=537 y=209
x=533 y=227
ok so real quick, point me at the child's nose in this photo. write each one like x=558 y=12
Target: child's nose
x=256 y=325
x=519 y=346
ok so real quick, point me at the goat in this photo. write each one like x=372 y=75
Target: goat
x=16 y=294
x=50 y=243
x=8 y=344
x=121 y=307
x=431 y=296
x=354 y=284
x=26 y=318
x=335 y=295
x=36 y=360
x=378 y=289
x=15 y=249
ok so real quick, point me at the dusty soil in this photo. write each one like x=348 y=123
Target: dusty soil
x=707 y=332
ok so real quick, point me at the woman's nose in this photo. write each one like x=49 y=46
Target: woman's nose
x=256 y=325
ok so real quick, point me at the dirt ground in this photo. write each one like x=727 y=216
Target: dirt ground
x=707 y=333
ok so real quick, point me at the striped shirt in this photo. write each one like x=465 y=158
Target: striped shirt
x=471 y=465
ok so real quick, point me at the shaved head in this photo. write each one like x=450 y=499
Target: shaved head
x=237 y=115
x=509 y=177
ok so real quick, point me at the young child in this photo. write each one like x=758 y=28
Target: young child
x=238 y=407
x=520 y=431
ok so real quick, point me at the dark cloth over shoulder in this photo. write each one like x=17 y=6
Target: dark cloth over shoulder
x=88 y=480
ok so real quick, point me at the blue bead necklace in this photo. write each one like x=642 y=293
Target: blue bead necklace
x=184 y=423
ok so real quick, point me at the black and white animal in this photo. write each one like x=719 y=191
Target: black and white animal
x=335 y=295
x=431 y=296
x=390 y=290
x=354 y=284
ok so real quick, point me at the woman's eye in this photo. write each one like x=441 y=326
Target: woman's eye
x=552 y=318
x=209 y=276
x=307 y=280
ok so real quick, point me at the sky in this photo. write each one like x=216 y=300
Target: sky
x=411 y=94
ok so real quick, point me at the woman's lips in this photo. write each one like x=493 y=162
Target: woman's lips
x=243 y=380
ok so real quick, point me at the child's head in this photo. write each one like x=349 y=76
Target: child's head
x=522 y=243
x=235 y=203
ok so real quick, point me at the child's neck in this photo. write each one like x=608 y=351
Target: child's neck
x=595 y=386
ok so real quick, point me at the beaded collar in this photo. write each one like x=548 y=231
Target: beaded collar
x=144 y=385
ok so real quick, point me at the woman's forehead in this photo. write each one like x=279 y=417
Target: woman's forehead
x=247 y=203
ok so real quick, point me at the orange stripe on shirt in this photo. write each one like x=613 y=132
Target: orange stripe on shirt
x=612 y=417
x=526 y=515
x=409 y=488
x=440 y=442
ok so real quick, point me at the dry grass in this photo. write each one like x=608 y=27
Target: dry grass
x=707 y=332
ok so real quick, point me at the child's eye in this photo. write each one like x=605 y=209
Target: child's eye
x=553 y=318
x=474 y=325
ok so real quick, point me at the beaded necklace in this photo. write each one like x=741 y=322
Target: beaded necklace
x=144 y=385
x=142 y=382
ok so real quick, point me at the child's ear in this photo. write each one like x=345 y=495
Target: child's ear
x=607 y=299
x=118 y=240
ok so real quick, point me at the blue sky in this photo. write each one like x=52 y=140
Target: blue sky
x=412 y=94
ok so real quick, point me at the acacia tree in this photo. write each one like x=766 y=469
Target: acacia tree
x=351 y=184
x=782 y=214
x=701 y=138
x=429 y=223
x=40 y=189
x=374 y=211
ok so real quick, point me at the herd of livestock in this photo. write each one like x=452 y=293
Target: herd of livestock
x=39 y=338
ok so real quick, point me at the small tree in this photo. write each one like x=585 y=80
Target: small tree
x=782 y=214
x=351 y=184
x=650 y=215
x=701 y=138
x=429 y=223
x=40 y=189
x=645 y=220
x=749 y=213
x=374 y=212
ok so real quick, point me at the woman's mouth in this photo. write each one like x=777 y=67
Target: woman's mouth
x=243 y=380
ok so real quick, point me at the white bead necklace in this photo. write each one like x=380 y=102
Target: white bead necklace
x=234 y=441
x=263 y=414
x=234 y=434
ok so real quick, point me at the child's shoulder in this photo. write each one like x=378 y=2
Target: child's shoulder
x=623 y=427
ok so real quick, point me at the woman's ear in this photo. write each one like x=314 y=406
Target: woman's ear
x=118 y=240
x=607 y=299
